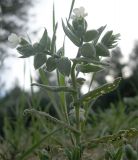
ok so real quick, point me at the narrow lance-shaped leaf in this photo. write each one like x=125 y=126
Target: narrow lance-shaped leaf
x=71 y=8
x=53 y=16
x=43 y=40
x=88 y=68
x=54 y=88
x=53 y=43
x=70 y=27
x=88 y=60
x=71 y=36
x=100 y=31
x=45 y=81
x=100 y=91
x=127 y=134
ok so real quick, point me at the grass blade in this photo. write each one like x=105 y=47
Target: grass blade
x=30 y=150
x=71 y=8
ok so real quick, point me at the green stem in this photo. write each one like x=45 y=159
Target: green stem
x=92 y=79
x=75 y=97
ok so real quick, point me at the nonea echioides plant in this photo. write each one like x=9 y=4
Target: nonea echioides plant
x=67 y=129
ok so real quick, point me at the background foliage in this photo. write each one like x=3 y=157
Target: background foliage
x=112 y=112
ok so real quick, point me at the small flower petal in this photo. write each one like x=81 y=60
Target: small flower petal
x=76 y=10
x=82 y=10
x=79 y=13
x=14 y=40
x=85 y=14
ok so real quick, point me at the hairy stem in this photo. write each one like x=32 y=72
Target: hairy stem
x=75 y=97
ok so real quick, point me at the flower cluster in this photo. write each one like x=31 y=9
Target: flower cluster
x=79 y=13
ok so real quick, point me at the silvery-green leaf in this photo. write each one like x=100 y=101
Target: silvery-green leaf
x=88 y=60
x=24 y=42
x=106 y=38
x=64 y=66
x=54 y=88
x=90 y=35
x=43 y=40
x=99 y=91
x=71 y=35
x=102 y=50
x=53 y=43
x=26 y=50
x=60 y=52
x=88 y=68
x=100 y=31
x=37 y=48
x=110 y=40
x=88 y=50
x=39 y=60
x=51 y=64
x=70 y=27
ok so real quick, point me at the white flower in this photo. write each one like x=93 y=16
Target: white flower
x=14 y=40
x=79 y=13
